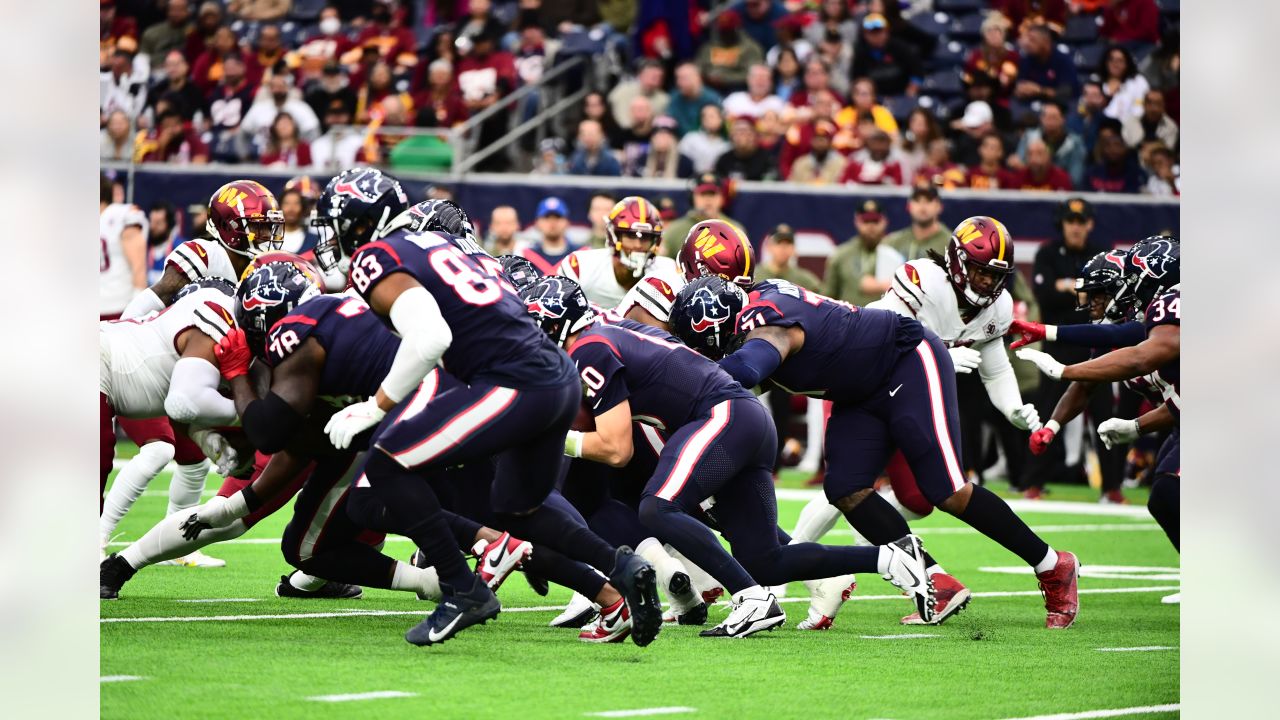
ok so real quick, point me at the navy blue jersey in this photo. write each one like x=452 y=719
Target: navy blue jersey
x=494 y=339
x=358 y=347
x=1166 y=310
x=666 y=382
x=848 y=351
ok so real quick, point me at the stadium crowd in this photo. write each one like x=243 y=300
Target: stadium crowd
x=1004 y=94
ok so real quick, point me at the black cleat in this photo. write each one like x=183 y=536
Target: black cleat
x=537 y=583
x=113 y=573
x=635 y=578
x=681 y=587
x=330 y=590
x=455 y=613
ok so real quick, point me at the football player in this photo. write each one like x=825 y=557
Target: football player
x=519 y=397
x=902 y=397
x=720 y=443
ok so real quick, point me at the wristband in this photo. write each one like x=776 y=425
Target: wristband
x=573 y=444
x=1052 y=426
x=1051 y=333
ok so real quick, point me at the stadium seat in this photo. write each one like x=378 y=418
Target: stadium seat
x=1081 y=30
x=949 y=54
x=934 y=24
x=1089 y=57
x=900 y=106
x=944 y=83
x=966 y=27
x=960 y=7
x=424 y=152
x=307 y=10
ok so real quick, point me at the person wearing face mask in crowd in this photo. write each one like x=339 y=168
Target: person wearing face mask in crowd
x=322 y=47
x=277 y=99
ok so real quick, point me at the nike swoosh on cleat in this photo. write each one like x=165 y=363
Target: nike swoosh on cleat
x=433 y=637
x=495 y=560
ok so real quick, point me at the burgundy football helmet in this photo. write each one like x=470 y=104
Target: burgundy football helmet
x=717 y=248
x=980 y=250
x=634 y=216
x=245 y=218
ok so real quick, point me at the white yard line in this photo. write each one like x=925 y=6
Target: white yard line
x=641 y=712
x=1143 y=648
x=903 y=636
x=1019 y=506
x=119 y=678
x=219 y=600
x=1117 y=712
x=376 y=695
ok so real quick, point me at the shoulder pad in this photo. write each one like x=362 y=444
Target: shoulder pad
x=571 y=266
x=212 y=313
x=287 y=334
x=909 y=286
x=191 y=259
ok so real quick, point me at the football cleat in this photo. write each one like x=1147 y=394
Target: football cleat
x=455 y=613
x=951 y=598
x=779 y=591
x=636 y=579
x=613 y=625
x=1061 y=594
x=750 y=615
x=577 y=613
x=906 y=571
x=329 y=591
x=113 y=573
x=686 y=607
x=1113 y=497
x=1174 y=599
x=1033 y=493
x=195 y=559
x=713 y=595
x=498 y=559
x=825 y=598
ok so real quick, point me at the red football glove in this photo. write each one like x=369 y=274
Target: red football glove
x=233 y=355
x=1040 y=440
x=1028 y=333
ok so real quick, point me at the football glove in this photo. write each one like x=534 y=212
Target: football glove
x=1025 y=417
x=215 y=447
x=233 y=355
x=216 y=513
x=1043 y=360
x=1040 y=439
x=353 y=420
x=965 y=359
x=1030 y=332
x=1118 y=431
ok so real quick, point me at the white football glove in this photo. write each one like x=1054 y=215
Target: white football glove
x=1025 y=417
x=218 y=512
x=215 y=447
x=1118 y=431
x=966 y=359
x=353 y=420
x=1043 y=360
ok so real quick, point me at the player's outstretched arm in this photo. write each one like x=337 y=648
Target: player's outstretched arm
x=610 y=443
x=158 y=296
x=1071 y=404
x=1002 y=386
x=219 y=512
x=1119 y=431
x=1161 y=346
x=759 y=357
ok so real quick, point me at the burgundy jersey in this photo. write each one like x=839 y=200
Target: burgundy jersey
x=848 y=351
x=666 y=382
x=494 y=339
x=358 y=347
x=1165 y=310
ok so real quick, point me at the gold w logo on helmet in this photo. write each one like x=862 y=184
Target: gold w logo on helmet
x=231 y=195
x=707 y=244
x=967 y=233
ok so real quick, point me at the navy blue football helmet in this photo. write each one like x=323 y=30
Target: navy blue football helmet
x=354 y=208
x=519 y=271
x=226 y=286
x=266 y=296
x=558 y=305
x=1100 y=280
x=1152 y=267
x=705 y=314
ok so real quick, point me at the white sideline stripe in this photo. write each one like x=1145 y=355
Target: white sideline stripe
x=1117 y=712
x=352 y=612
x=376 y=695
x=1144 y=648
x=218 y=600
x=642 y=711
x=119 y=678
x=903 y=636
x=1018 y=505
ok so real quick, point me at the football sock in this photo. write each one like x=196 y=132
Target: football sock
x=464 y=529
x=558 y=526
x=1048 y=563
x=810 y=561
x=816 y=519
x=164 y=541
x=1164 y=505
x=876 y=520
x=130 y=482
x=579 y=577
x=991 y=516
x=305 y=582
x=423 y=581
x=186 y=486
x=695 y=541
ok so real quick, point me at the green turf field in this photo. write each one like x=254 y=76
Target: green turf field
x=217 y=643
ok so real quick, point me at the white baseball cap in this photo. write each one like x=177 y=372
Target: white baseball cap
x=976 y=113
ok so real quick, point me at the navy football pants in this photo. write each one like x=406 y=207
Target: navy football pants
x=1165 y=502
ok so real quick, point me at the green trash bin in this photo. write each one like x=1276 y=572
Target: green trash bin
x=424 y=152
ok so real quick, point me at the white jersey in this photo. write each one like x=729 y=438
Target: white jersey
x=137 y=356
x=201 y=258
x=593 y=270
x=920 y=289
x=115 y=277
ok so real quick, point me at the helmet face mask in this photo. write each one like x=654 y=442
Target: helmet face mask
x=354 y=208
x=559 y=307
x=634 y=221
x=519 y=272
x=266 y=296
x=1099 y=282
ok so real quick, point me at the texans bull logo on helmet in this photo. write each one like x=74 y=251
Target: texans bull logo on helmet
x=264 y=293
x=360 y=187
x=1154 y=257
x=707 y=310
x=549 y=303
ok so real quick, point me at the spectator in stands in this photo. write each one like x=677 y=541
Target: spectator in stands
x=786 y=75
x=1116 y=170
x=978 y=120
x=1122 y=84
x=635 y=140
x=117 y=138
x=1045 y=72
x=533 y=55
x=440 y=104
x=332 y=86
x=663 y=160
x=647 y=82
x=1039 y=172
x=865 y=104
x=746 y=160
x=443 y=46
x=112 y=27
x=338 y=148
x=552 y=245
x=708 y=203
x=284 y=146
x=162 y=238
x=790 y=37
x=874 y=164
x=209 y=67
x=938 y=171
x=860 y=270
x=171 y=141
x=990 y=172
x=383 y=135
x=817 y=79
x=1164 y=180
x=779 y=261
x=324 y=47
x=280 y=98
x=924 y=233
x=757 y=99
x=1069 y=152
x=1132 y=23
x=821 y=165
x=1087 y=116
x=1161 y=67
x=836 y=54
x=120 y=87
x=1024 y=14
x=595 y=108
x=922 y=129
x=551 y=159
x=504 y=233
x=706 y=144
x=921 y=42
x=379 y=86
x=758 y=18
x=171 y=34
x=270 y=51
x=833 y=15
x=598 y=209
x=229 y=100
x=298 y=234
x=724 y=59
x=592 y=157
x=479 y=20
x=771 y=130
x=995 y=58
x=395 y=43
x=484 y=75
x=1153 y=125
x=690 y=96
x=208 y=20
x=177 y=87
x=981 y=87
x=891 y=63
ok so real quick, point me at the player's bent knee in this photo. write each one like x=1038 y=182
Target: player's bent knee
x=956 y=502
x=849 y=502
x=159 y=452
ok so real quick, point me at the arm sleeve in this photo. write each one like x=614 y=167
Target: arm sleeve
x=998 y=377
x=425 y=336
x=193 y=394
x=1102 y=336
x=144 y=302
x=270 y=423
x=752 y=363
